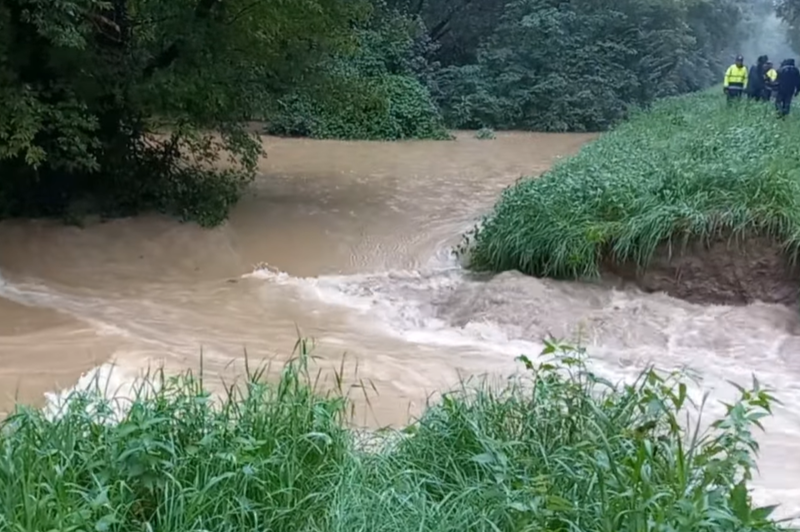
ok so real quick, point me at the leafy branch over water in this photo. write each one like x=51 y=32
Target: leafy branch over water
x=557 y=449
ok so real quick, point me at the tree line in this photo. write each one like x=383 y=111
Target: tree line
x=114 y=106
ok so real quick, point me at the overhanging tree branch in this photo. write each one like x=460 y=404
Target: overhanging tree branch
x=442 y=27
x=202 y=11
x=243 y=11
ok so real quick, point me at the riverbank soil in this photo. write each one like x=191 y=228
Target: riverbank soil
x=723 y=271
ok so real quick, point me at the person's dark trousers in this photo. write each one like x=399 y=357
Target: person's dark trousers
x=783 y=103
x=734 y=94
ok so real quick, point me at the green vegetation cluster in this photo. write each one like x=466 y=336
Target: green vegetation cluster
x=688 y=169
x=558 y=449
x=789 y=12
x=118 y=106
x=543 y=65
x=115 y=106
x=368 y=93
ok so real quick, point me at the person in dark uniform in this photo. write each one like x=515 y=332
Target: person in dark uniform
x=755 y=79
x=787 y=87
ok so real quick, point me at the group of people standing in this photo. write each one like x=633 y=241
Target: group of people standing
x=763 y=82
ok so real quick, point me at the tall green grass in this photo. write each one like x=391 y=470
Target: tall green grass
x=557 y=450
x=689 y=168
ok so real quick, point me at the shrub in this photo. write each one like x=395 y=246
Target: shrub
x=485 y=133
x=373 y=93
x=156 y=175
x=386 y=107
x=689 y=168
x=559 y=450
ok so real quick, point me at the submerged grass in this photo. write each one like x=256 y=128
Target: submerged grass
x=561 y=450
x=689 y=168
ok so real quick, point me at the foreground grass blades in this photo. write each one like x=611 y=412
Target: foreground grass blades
x=558 y=450
x=689 y=168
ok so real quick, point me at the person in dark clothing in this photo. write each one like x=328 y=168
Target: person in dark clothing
x=755 y=79
x=787 y=86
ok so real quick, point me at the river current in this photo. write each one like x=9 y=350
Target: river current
x=348 y=242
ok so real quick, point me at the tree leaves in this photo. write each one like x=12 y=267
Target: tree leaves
x=86 y=84
x=556 y=66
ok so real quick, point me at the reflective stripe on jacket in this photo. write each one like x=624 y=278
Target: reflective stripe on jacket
x=736 y=77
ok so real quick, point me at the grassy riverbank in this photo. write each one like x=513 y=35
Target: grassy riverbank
x=559 y=451
x=688 y=168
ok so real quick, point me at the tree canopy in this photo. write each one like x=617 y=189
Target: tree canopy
x=789 y=11
x=128 y=103
x=120 y=105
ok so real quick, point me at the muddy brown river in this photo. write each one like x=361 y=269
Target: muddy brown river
x=349 y=243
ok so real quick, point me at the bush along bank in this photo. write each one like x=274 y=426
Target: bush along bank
x=560 y=449
x=691 y=197
x=373 y=92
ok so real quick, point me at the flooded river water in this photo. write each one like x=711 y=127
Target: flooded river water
x=355 y=238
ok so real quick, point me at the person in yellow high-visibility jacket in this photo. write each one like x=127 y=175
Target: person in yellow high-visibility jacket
x=735 y=81
x=770 y=81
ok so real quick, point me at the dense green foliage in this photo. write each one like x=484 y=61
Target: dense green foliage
x=559 y=449
x=689 y=168
x=522 y=64
x=371 y=92
x=556 y=66
x=86 y=85
x=789 y=11
x=121 y=105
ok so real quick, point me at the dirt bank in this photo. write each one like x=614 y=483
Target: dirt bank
x=723 y=271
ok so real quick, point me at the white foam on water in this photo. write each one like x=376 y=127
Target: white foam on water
x=400 y=304
x=109 y=385
x=35 y=294
x=371 y=298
